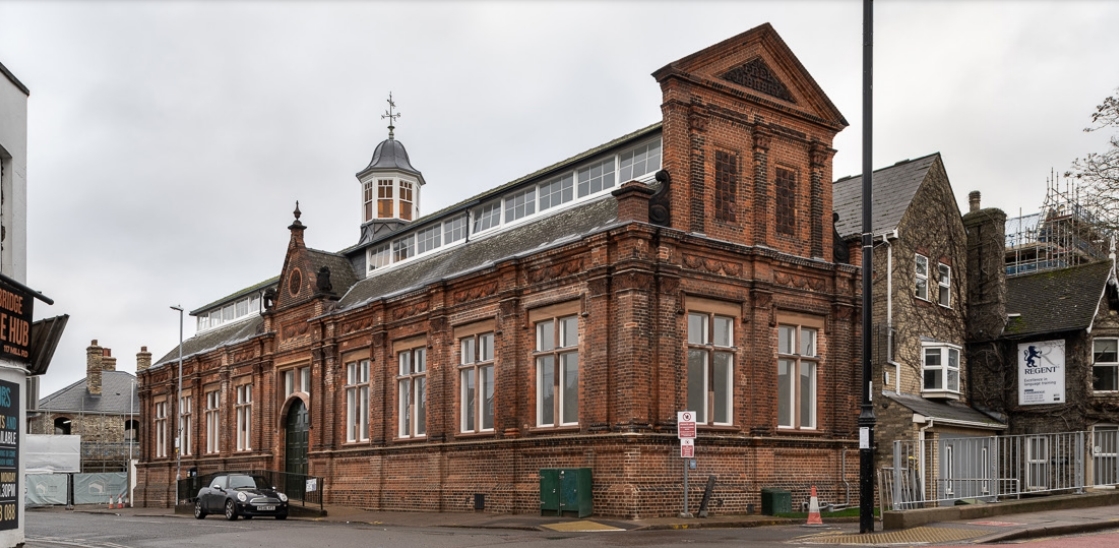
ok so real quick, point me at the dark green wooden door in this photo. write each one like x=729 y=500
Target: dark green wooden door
x=295 y=455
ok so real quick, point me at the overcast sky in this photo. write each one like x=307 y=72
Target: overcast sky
x=169 y=141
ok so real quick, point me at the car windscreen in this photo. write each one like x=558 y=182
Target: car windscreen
x=247 y=482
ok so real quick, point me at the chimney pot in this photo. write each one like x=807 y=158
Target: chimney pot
x=973 y=201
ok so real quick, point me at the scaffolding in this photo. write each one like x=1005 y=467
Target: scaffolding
x=1064 y=232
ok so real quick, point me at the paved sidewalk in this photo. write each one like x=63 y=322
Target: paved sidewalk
x=977 y=531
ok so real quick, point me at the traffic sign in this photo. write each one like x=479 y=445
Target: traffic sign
x=687 y=448
x=685 y=424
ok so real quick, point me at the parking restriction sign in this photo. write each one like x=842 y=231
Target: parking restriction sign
x=685 y=424
x=687 y=448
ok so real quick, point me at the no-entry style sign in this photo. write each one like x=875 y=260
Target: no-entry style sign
x=685 y=424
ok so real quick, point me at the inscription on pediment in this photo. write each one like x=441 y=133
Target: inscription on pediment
x=756 y=75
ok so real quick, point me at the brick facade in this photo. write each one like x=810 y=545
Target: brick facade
x=629 y=286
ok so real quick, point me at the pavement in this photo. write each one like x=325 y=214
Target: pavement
x=1036 y=523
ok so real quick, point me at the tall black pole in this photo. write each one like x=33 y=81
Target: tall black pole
x=866 y=415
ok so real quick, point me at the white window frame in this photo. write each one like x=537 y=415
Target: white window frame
x=1113 y=365
x=944 y=369
x=487 y=217
x=454 y=229
x=476 y=382
x=520 y=205
x=711 y=348
x=186 y=416
x=429 y=238
x=357 y=401
x=411 y=393
x=379 y=257
x=404 y=248
x=557 y=357
x=944 y=285
x=160 y=429
x=556 y=192
x=213 y=421
x=640 y=155
x=586 y=179
x=798 y=353
x=244 y=410
x=921 y=279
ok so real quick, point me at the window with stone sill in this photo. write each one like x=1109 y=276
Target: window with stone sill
x=243 y=408
x=941 y=370
x=557 y=371
x=476 y=382
x=186 y=416
x=944 y=285
x=1105 y=364
x=357 y=401
x=160 y=429
x=798 y=362
x=213 y=422
x=411 y=392
x=711 y=367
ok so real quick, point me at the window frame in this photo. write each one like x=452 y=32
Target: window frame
x=785 y=207
x=921 y=281
x=356 y=387
x=186 y=426
x=479 y=366
x=944 y=285
x=796 y=361
x=213 y=421
x=559 y=351
x=411 y=381
x=944 y=368
x=243 y=408
x=1112 y=365
x=161 y=429
x=705 y=344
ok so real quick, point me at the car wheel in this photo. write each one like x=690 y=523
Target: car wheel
x=230 y=511
x=199 y=513
x=281 y=516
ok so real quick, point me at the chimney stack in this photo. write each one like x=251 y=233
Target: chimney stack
x=108 y=362
x=143 y=359
x=973 y=201
x=93 y=356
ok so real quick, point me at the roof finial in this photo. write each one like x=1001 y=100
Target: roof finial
x=297 y=212
x=389 y=114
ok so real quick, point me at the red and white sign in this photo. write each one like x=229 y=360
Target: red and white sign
x=685 y=424
x=687 y=448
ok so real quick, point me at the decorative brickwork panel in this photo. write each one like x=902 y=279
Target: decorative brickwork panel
x=726 y=186
x=757 y=76
x=786 y=190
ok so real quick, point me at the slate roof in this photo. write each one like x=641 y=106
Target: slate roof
x=210 y=339
x=116 y=386
x=952 y=412
x=562 y=227
x=1055 y=300
x=892 y=191
x=342 y=276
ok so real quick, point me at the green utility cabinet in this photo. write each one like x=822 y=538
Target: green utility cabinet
x=776 y=501
x=565 y=491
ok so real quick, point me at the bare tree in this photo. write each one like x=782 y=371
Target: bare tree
x=1099 y=171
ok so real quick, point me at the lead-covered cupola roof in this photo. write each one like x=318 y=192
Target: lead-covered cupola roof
x=390 y=155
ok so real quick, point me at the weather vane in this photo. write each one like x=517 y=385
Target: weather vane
x=389 y=114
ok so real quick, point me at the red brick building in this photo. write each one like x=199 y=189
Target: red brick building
x=557 y=321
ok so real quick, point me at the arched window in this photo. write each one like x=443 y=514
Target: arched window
x=132 y=431
x=62 y=426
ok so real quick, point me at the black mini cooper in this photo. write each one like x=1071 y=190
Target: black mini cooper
x=240 y=495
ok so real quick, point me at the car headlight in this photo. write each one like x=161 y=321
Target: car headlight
x=283 y=497
x=242 y=497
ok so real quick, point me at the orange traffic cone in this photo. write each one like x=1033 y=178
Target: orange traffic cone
x=120 y=501
x=814 y=509
x=111 y=505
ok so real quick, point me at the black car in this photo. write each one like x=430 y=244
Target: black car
x=240 y=495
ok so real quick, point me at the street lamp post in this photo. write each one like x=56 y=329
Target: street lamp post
x=179 y=418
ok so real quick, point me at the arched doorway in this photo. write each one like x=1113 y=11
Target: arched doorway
x=295 y=454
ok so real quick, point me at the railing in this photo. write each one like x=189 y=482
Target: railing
x=945 y=470
x=306 y=489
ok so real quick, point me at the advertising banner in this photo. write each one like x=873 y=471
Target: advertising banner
x=1041 y=372
x=9 y=455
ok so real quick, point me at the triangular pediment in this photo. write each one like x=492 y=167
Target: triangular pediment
x=756 y=75
x=758 y=66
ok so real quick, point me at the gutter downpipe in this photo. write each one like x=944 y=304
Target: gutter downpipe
x=921 y=452
x=890 y=308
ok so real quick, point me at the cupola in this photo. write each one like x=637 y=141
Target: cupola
x=390 y=185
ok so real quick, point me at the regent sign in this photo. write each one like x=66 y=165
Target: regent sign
x=15 y=323
x=1041 y=372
